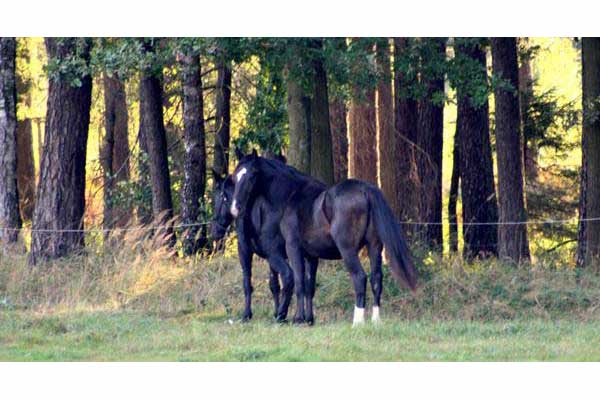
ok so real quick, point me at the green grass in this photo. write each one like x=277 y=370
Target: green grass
x=135 y=336
x=138 y=302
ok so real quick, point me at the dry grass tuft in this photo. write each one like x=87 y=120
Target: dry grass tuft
x=140 y=275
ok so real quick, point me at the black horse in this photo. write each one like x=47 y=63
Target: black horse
x=257 y=233
x=326 y=223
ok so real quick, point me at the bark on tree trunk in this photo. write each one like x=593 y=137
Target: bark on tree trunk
x=363 y=130
x=25 y=164
x=144 y=206
x=476 y=168
x=299 y=151
x=60 y=197
x=530 y=150
x=512 y=238
x=406 y=121
x=321 y=153
x=590 y=52
x=430 y=140
x=9 y=193
x=25 y=168
x=114 y=150
x=339 y=134
x=581 y=227
x=454 y=185
x=223 y=118
x=195 y=154
x=387 y=134
x=151 y=113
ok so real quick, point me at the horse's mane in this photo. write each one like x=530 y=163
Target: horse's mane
x=276 y=167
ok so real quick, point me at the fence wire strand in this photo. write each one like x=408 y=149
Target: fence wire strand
x=198 y=224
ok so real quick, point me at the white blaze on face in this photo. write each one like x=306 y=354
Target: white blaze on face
x=238 y=177
x=375 y=316
x=359 y=316
x=240 y=174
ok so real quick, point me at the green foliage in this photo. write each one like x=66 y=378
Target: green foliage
x=547 y=120
x=468 y=75
x=134 y=193
x=267 y=117
x=72 y=64
x=352 y=65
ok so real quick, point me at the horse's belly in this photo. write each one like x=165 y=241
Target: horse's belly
x=321 y=246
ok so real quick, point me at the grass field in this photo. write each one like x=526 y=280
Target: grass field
x=138 y=302
x=131 y=336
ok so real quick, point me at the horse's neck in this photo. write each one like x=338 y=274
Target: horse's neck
x=279 y=187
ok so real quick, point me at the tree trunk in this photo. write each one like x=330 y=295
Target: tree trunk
x=151 y=119
x=363 y=130
x=9 y=193
x=60 y=197
x=299 y=151
x=530 y=150
x=25 y=163
x=144 y=205
x=591 y=132
x=454 y=185
x=406 y=122
x=321 y=153
x=115 y=150
x=223 y=118
x=387 y=135
x=25 y=168
x=430 y=141
x=512 y=238
x=195 y=154
x=476 y=168
x=581 y=227
x=339 y=134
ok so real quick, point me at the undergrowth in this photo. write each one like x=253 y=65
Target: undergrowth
x=138 y=275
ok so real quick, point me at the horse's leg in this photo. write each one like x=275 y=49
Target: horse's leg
x=311 y=281
x=275 y=288
x=278 y=263
x=359 y=280
x=375 y=249
x=348 y=230
x=246 y=261
x=297 y=263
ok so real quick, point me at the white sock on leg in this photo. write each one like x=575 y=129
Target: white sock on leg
x=375 y=315
x=359 y=316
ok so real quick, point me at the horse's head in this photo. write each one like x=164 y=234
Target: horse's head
x=222 y=197
x=244 y=178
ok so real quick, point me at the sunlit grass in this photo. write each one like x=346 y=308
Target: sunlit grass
x=124 y=336
x=138 y=301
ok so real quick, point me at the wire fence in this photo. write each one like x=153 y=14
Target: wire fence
x=199 y=224
x=107 y=230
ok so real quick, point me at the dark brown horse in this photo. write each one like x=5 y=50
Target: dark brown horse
x=332 y=223
x=254 y=236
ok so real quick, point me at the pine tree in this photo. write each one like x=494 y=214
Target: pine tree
x=480 y=209
x=512 y=238
x=9 y=194
x=60 y=196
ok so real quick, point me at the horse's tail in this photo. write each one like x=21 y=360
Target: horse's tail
x=393 y=239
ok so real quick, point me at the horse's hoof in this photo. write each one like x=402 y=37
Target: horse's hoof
x=310 y=321
x=298 y=321
x=246 y=317
x=281 y=319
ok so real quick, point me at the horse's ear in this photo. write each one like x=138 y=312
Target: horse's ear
x=281 y=158
x=254 y=153
x=238 y=153
x=216 y=176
